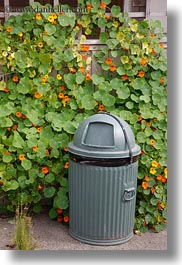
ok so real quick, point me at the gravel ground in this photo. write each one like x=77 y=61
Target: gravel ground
x=51 y=235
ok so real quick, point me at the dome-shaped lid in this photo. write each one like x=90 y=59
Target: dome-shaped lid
x=104 y=135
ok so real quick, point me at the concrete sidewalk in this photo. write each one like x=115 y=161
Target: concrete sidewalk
x=51 y=235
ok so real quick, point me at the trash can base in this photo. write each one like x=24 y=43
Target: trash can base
x=101 y=242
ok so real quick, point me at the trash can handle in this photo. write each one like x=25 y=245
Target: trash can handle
x=124 y=131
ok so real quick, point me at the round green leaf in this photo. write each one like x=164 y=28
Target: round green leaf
x=88 y=102
x=7 y=158
x=103 y=37
x=141 y=137
x=49 y=178
x=49 y=192
x=108 y=100
x=64 y=20
x=61 y=202
x=79 y=77
x=123 y=92
x=129 y=105
x=69 y=127
x=53 y=213
x=12 y=185
x=115 y=10
x=50 y=29
x=26 y=164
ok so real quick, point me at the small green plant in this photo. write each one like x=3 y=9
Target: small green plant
x=22 y=236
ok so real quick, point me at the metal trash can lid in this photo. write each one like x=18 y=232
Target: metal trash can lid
x=104 y=135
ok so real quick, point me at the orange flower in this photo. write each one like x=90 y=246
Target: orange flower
x=108 y=61
x=6 y=90
x=152 y=190
x=15 y=79
x=66 y=219
x=60 y=95
x=38 y=95
x=39 y=188
x=44 y=80
x=139 y=118
x=84 y=56
x=102 y=5
x=89 y=6
x=15 y=127
x=82 y=69
x=149 y=124
x=124 y=77
x=141 y=74
x=66 y=149
x=161 y=178
x=72 y=70
x=162 y=80
x=145 y=185
x=112 y=67
x=47 y=152
x=9 y=29
x=146 y=178
x=21 y=157
x=85 y=48
x=143 y=61
x=161 y=46
x=88 y=78
x=62 y=88
x=59 y=211
x=101 y=108
x=7 y=153
x=45 y=170
x=35 y=148
x=152 y=35
x=66 y=99
x=38 y=16
x=142 y=152
x=153 y=51
x=152 y=141
x=66 y=165
x=18 y=114
x=39 y=129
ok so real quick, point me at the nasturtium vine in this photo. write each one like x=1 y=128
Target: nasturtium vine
x=56 y=80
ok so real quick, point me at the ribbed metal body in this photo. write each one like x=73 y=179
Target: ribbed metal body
x=102 y=203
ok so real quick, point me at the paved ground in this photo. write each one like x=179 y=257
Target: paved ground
x=51 y=235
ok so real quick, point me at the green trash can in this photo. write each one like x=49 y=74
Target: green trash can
x=102 y=178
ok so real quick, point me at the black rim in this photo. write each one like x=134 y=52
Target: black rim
x=103 y=162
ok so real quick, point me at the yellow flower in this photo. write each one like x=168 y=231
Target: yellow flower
x=22 y=157
x=20 y=34
x=54 y=15
x=155 y=164
x=152 y=170
x=44 y=80
x=40 y=44
x=58 y=76
x=152 y=141
x=51 y=19
x=38 y=16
